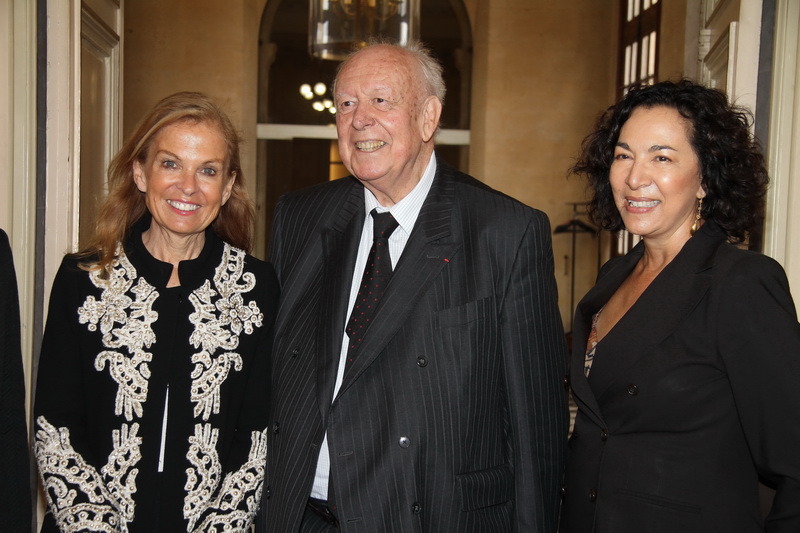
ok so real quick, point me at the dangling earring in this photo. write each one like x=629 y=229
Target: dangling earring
x=696 y=225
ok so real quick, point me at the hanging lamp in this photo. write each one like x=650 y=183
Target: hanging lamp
x=337 y=27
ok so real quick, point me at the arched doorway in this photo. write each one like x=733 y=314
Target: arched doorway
x=296 y=146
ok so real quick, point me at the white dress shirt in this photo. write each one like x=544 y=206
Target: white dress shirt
x=405 y=212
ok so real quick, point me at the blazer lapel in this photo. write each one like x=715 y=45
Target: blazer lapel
x=340 y=246
x=296 y=285
x=612 y=277
x=428 y=250
x=659 y=311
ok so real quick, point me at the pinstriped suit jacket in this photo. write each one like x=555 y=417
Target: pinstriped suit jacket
x=453 y=417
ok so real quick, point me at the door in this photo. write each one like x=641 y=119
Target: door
x=84 y=75
x=83 y=121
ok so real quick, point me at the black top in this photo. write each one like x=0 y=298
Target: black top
x=691 y=400
x=116 y=352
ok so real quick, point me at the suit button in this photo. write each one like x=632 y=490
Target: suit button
x=604 y=435
x=416 y=508
x=632 y=389
x=404 y=442
x=295 y=352
x=276 y=428
x=563 y=490
x=421 y=361
x=566 y=381
x=267 y=492
x=592 y=495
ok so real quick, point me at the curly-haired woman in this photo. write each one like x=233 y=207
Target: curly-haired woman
x=686 y=356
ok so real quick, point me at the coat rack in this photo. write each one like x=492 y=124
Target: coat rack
x=574 y=226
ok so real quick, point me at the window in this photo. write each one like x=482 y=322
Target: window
x=639 y=26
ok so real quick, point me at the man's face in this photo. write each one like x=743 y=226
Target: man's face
x=384 y=122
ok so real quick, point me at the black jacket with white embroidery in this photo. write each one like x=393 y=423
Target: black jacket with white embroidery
x=152 y=402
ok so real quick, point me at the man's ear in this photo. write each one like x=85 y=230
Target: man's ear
x=138 y=176
x=430 y=114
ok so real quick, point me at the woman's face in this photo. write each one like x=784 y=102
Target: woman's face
x=655 y=175
x=185 y=177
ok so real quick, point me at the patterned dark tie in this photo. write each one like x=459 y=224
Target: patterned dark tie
x=377 y=274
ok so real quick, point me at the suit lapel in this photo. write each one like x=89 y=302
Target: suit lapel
x=427 y=252
x=340 y=247
x=296 y=285
x=659 y=311
x=612 y=277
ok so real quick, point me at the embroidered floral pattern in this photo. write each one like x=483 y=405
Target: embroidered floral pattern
x=116 y=307
x=217 y=325
x=83 y=498
x=134 y=334
x=203 y=477
x=131 y=374
x=122 y=460
x=209 y=373
x=220 y=316
x=68 y=479
x=223 y=511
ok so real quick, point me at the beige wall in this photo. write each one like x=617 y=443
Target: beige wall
x=543 y=72
x=194 y=45
x=679 y=18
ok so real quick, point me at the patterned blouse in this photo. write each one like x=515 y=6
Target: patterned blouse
x=591 y=345
x=151 y=404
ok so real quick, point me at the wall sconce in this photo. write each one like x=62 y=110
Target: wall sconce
x=316 y=93
x=337 y=27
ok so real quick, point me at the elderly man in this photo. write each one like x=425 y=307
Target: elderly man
x=417 y=371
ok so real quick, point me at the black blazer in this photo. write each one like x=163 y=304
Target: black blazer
x=453 y=416
x=15 y=482
x=692 y=398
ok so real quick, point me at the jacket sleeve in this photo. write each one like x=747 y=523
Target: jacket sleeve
x=81 y=487
x=759 y=340
x=535 y=361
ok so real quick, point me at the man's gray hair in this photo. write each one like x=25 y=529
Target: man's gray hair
x=429 y=66
x=431 y=69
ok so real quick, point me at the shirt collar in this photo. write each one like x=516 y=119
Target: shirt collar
x=407 y=209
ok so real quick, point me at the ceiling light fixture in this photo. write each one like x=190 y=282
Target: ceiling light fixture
x=337 y=27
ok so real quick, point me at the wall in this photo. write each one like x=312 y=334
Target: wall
x=194 y=45
x=18 y=157
x=782 y=231
x=6 y=106
x=543 y=71
x=680 y=24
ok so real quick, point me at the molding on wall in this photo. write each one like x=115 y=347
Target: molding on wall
x=782 y=227
x=22 y=170
x=301 y=131
x=63 y=134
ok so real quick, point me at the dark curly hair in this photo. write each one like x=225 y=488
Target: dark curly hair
x=734 y=175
